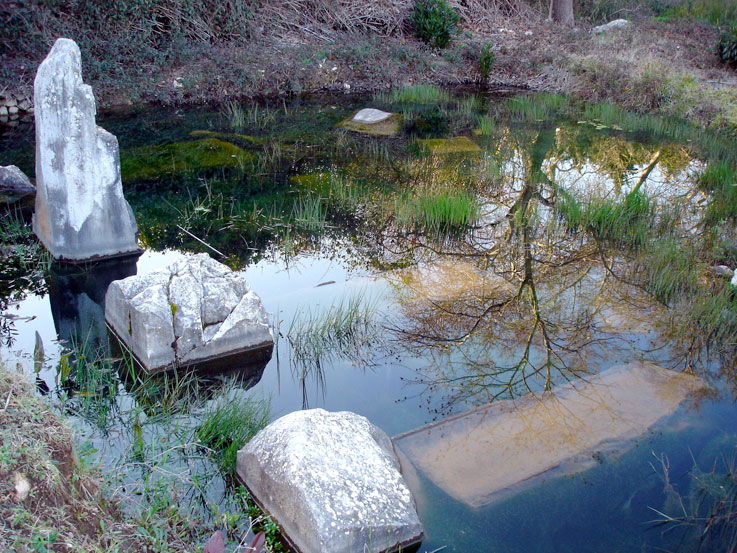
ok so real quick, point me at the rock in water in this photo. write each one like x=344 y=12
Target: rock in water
x=332 y=483
x=13 y=182
x=370 y=116
x=81 y=213
x=195 y=311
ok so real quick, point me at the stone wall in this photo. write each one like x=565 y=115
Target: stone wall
x=15 y=107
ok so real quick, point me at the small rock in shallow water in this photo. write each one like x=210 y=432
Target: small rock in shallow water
x=370 y=115
x=13 y=182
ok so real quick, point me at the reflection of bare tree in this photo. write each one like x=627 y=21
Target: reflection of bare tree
x=536 y=303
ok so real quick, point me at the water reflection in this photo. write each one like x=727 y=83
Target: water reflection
x=561 y=248
x=77 y=298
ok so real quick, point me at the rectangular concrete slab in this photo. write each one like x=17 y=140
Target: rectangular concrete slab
x=494 y=451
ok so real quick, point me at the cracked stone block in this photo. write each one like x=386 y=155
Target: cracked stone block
x=80 y=213
x=195 y=311
x=332 y=483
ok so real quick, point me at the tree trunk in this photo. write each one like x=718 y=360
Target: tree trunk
x=561 y=11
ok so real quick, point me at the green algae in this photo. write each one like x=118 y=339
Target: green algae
x=154 y=162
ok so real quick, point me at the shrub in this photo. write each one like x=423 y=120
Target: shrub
x=727 y=46
x=434 y=21
x=486 y=61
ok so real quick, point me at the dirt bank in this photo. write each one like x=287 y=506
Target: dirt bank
x=48 y=502
x=302 y=46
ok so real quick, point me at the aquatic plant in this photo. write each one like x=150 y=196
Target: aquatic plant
x=719 y=179
x=708 y=513
x=540 y=107
x=625 y=222
x=24 y=263
x=419 y=94
x=309 y=213
x=442 y=210
x=319 y=336
x=235 y=115
x=228 y=422
x=155 y=162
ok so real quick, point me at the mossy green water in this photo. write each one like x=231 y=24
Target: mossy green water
x=154 y=162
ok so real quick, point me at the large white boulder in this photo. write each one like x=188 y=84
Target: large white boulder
x=80 y=211
x=195 y=311
x=332 y=483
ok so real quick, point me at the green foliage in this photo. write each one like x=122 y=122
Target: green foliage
x=228 y=423
x=720 y=181
x=624 y=223
x=434 y=21
x=438 y=211
x=417 y=94
x=716 y=12
x=486 y=61
x=727 y=46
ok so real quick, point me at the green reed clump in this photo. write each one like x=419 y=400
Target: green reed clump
x=228 y=423
x=540 y=107
x=418 y=94
x=707 y=513
x=487 y=126
x=437 y=211
x=627 y=222
x=235 y=115
x=90 y=379
x=343 y=330
x=669 y=270
x=720 y=180
x=310 y=213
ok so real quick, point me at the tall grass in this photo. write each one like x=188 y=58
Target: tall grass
x=235 y=115
x=343 y=330
x=443 y=210
x=670 y=270
x=228 y=423
x=540 y=107
x=720 y=181
x=625 y=223
x=310 y=213
x=416 y=94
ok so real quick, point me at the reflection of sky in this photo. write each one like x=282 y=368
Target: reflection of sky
x=601 y=507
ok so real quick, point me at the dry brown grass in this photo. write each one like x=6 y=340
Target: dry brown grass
x=47 y=503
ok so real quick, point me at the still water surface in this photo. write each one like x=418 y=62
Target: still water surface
x=483 y=285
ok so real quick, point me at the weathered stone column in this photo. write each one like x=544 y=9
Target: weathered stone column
x=81 y=213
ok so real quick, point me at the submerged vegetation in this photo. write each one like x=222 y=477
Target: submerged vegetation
x=526 y=241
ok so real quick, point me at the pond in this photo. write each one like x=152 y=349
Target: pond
x=477 y=249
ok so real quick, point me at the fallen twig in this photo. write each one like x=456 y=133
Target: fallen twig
x=201 y=241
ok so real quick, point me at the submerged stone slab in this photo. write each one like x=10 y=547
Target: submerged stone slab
x=332 y=483
x=455 y=145
x=206 y=154
x=80 y=210
x=195 y=311
x=14 y=182
x=497 y=450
